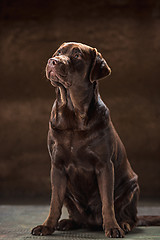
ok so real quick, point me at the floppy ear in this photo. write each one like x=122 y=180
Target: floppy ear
x=99 y=68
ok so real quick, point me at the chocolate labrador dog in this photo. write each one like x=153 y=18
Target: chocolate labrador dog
x=90 y=172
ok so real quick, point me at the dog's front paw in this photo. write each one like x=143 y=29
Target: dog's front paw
x=114 y=232
x=42 y=230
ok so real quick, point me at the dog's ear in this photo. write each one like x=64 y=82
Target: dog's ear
x=99 y=68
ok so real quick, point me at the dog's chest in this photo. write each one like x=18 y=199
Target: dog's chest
x=74 y=149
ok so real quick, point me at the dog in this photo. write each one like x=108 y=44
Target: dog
x=90 y=171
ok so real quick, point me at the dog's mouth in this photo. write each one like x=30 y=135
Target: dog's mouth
x=52 y=74
x=56 y=78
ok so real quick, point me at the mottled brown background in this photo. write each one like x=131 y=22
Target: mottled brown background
x=127 y=33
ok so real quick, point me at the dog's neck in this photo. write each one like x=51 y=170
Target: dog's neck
x=81 y=99
x=76 y=100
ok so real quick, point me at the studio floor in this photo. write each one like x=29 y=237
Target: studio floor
x=16 y=222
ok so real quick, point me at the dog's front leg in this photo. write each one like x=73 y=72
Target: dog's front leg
x=105 y=179
x=58 y=184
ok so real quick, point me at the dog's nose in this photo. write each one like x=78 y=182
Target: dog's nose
x=52 y=61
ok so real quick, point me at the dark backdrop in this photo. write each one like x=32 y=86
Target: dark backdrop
x=127 y=33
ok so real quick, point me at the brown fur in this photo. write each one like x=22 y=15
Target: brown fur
x=90 y=172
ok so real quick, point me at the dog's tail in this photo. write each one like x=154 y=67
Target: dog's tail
x=148 y=221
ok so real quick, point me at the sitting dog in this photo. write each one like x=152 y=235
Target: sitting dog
x=90 y=172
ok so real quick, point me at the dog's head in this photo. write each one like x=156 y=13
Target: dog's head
x=74 y=63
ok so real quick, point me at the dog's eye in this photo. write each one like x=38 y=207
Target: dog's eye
x=59 y=53
x=77 y=55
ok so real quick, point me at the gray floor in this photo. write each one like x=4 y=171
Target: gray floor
x=16 y=223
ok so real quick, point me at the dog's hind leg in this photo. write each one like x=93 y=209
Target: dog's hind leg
x=75 y=218
x=126 y=209
x=67 y=224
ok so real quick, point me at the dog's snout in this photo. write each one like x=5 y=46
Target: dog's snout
x=52 y=61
